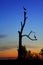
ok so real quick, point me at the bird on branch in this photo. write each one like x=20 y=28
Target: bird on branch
x=24 y=8
x=34 y=36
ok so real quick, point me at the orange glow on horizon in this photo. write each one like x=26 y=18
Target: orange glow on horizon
x=13 y=52
x=9 y=53
x=35 y=50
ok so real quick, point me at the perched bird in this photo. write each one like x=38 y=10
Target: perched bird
x=24 y=8
x=34 y=36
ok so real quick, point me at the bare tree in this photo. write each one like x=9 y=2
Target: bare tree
x=20 y=34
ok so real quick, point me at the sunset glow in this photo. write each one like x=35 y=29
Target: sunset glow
x=9 y=53
x=14 y=53
x=11 y=15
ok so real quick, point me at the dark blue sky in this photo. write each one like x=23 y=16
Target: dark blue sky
x=11 y=14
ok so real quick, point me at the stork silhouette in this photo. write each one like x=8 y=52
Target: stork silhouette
x=24 y=8
x=34 y=36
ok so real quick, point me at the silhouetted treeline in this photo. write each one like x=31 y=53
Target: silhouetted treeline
x=28 y=55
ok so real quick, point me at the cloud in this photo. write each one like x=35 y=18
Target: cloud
x=3 y=48
x=8 y=46
x=3 y=36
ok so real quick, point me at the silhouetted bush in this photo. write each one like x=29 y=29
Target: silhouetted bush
x=41 y=52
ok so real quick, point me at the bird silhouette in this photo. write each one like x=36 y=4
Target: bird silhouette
x=34 y=36
x=24 y=8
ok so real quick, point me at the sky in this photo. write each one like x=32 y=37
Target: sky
x=11 y=15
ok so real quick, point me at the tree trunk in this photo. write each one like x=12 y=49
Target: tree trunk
x=20 y=44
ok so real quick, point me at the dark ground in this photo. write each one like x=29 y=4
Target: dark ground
x=27 y=62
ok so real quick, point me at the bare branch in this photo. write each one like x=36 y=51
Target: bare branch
x=29 y=37
x=30 y=32
x=24 y=21
x=21 y=24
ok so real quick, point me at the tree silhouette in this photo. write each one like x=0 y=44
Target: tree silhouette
x=23 y=52
x=29 y=54
x=20 y=35
x=41 y=51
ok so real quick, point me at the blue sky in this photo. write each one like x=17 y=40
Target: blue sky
x=11 y=14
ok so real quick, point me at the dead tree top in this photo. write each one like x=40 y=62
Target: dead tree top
x=22 y=27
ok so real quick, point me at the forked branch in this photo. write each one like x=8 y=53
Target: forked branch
x=29 y=37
